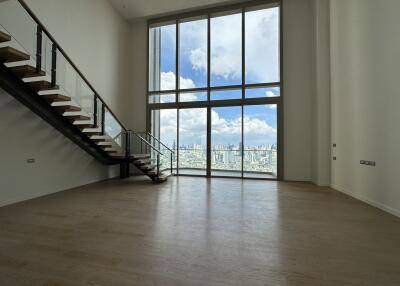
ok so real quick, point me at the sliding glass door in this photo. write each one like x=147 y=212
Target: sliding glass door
x=260 y=141
x=192 y=151
x=226 y=141
x=243 y=140
x=164 y=126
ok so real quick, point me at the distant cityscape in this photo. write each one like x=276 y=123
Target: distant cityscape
x=259 y=159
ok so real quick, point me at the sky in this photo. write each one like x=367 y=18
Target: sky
x=262 y=65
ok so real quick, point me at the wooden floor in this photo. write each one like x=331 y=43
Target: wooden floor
x=197 y=231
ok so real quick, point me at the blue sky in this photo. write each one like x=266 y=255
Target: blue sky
x=262 y=65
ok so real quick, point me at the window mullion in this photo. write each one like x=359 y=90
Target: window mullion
x=177 y=69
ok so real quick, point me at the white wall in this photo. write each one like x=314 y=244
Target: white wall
x=60 y=164
x=138 y=73
x=299 y=88
x=299 y=84
x=365 y=44
x=321 y=100
x=96 y=38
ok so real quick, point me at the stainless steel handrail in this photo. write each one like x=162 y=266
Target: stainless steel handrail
x=158 y=140
x=147 y=143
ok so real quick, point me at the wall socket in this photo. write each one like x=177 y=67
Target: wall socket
x=368 y=163
x=30 y=161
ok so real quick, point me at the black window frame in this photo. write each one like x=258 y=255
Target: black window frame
x=208 y=14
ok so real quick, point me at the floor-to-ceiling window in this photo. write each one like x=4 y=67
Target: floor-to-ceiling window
x=214 y=90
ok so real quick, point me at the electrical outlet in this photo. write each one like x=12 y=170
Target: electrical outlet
x=368 y=163
x=30 y=161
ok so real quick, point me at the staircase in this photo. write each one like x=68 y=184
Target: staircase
x=52 y=86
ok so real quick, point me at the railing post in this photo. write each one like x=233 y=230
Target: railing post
x=127 y=152
x=171 y=163
x=95 y=111
x=39 y=33
x=103 y=118
x=149 y=140
x=158 y=164
x=53 y=65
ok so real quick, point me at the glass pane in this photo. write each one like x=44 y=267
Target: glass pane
x=112 y=127
x=72 y=84
x=162 y=98
x=193 y=141
x=16 y=22
x=260 y=141
x=263 y=92
x=164 y=127
x=262 y=46
x=226 y=94
x=193 y=54
x=226 y=141
x=192 y=96
x=226 y=50
x=162 y=58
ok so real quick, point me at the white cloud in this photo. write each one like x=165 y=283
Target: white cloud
x=168 y=81
x=193 y=128
x=262 y=46
x=198 y=59
x=269 y=93
x=226 y=47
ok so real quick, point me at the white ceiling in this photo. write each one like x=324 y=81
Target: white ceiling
x=131 y=9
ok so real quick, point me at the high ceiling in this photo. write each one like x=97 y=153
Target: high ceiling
x=131 y=9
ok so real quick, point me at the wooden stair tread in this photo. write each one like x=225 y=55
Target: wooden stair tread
x=91 y=132
x=142 y=162
x=162 y=178
x=26 y=71
x=100 y=138
x=119 y=156
x=76 y=117
x=67 y=108
x=84 y=126
x=140 y=156
x=9 y=55
x=105 y=143
x=4 y=37
x=41 y=85
x=148 y=167
x=56 y=97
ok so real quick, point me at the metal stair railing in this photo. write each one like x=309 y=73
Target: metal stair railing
x=102 y=117
x=150 y=137
x=147 y=146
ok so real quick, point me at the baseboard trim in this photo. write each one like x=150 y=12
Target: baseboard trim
x=366 y=200
x=292 y=179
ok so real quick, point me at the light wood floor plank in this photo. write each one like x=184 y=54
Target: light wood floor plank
x=197 y=231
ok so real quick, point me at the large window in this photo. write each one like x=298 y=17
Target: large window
x=214 y=90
